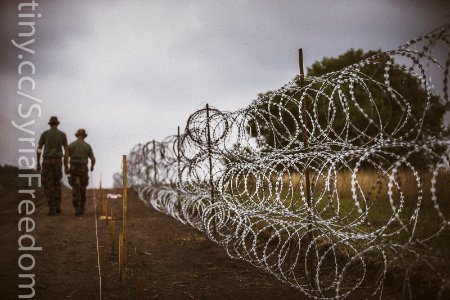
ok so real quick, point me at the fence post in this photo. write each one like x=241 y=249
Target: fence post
x=178 y=154
x=112 y=236
x=101 y=198
x=211 y=182
x=179 y=169
x=122 y=267
x=154 y=161
x=106 y=210
x=306 y=170
x=123 y=236
x=305 y=133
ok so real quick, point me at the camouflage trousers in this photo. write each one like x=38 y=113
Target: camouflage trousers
x=51 y=180
x=78 y=180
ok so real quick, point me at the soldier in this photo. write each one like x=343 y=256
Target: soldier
x=53 y=141
x=79 y=152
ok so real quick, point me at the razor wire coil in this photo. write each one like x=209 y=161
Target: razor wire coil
x=253 y=163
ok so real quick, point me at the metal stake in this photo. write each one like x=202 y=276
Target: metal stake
x=305 y=146
x=211 y=182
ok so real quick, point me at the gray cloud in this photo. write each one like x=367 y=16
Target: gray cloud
x=61 y=23
x=130 y=71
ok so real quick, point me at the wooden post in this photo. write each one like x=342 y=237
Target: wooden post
x=124 y=211
x=112 y=235
x=178 y=155
x=101 y=197
x=106 y=210
x=179 y=169
x=211 y=182
x=103 y=206
x=154 y=162
x=122 y=268
x=145 y=150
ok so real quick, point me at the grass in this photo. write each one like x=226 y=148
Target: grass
x=410 y=216
x=336 y=199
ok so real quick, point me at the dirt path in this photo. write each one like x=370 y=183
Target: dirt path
x=168 y=259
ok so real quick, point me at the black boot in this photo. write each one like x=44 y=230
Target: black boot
x=76 y=205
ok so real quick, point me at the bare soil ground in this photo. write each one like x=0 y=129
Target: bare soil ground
x=166 y=259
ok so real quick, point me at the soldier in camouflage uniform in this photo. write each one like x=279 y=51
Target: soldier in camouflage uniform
x=53 y=141
x=79 y=153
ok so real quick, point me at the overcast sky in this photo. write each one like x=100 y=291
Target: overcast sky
x=132 y=71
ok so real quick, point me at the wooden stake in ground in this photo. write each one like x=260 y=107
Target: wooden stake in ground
x=112 y=234
x=101 y=197
x=179 y=169
x=106 y=210
x=124 y=211
x=178 y=155
x=154 y=161
x=103 y=205
x=122 y=267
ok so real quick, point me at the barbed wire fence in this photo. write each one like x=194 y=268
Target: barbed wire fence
x=318 y=183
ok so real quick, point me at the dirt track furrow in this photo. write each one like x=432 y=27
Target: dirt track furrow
x=167 y=259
